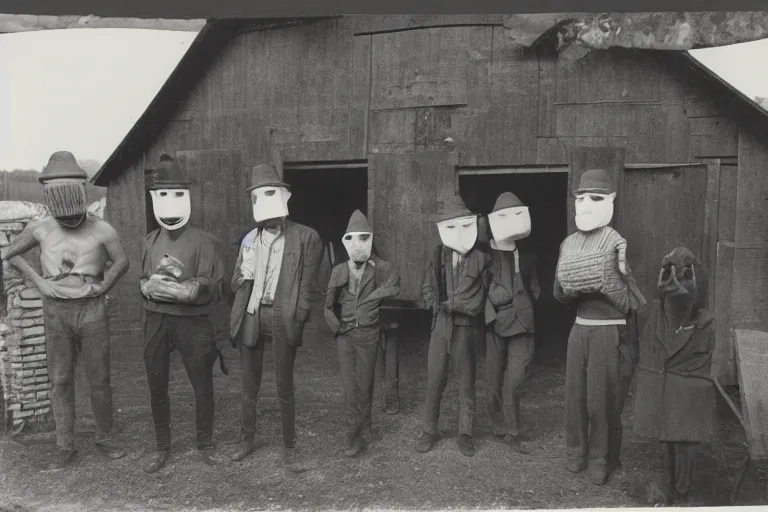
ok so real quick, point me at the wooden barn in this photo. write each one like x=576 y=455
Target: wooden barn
x=390 y=114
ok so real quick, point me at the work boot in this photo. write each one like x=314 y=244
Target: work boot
x=110 y=451
x=597 y=473
x=355 y=447
x=64 y=458
x=392 y=406
x=158 y=462
x=514 y=443
x=466 y=445
x=576 y=465
x=426 y=442
x=247 y=446
x=292 y=460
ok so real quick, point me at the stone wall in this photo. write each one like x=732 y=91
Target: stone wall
x=26 y=402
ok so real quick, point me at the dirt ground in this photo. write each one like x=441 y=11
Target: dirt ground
x=390 y=475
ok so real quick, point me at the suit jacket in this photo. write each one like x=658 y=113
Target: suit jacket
x=378 y=283
x=297 y=280
x=509 y=306
x=675 y=397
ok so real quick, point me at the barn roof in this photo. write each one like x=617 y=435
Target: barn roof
x=217 y=33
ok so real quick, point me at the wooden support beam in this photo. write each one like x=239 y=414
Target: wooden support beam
x=11 y=23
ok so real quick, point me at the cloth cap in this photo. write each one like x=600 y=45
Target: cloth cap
x=452 y=208
x=507 y=200
x=168 y=174
x=595 y=180
x=358 y=223
x=62 y=164
x=265 y=175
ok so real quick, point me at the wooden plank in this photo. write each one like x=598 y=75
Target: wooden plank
x=551 y=150
x=392 y=130
x=713 y=137
x=750 y=288
x=711 y=214
x=403 y=193
x=752 y=356
x=751 y=206
x=547 y=96
x=421 y=68
x=373 y=24
x=603 y=119
x=585 y=158
x=514 y=115
x=661 y=209
x=723 y=358
x=360 y=97
x=431 y=126
x=727 y=216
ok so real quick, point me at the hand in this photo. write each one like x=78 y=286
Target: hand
x=97 y=289
x=222 y=362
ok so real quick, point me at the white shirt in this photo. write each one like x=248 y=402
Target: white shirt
x=264 y=260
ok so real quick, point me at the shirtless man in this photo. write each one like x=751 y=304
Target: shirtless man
x=76 y=250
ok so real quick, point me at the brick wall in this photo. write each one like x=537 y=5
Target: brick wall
x=23 y=367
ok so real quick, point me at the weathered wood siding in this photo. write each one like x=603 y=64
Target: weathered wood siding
x=397 y=89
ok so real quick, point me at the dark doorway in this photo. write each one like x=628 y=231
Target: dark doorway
x=324 y=199
x=546 y=196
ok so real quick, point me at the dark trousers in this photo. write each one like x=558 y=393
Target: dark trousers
x=72 y=327
x=461 y=357
x=194 y=338
x=507 y=365
x=252 y=366
x=358 y=351
x=682 y=456
x=597 y=378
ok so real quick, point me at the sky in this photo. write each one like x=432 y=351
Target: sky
x=82 y=90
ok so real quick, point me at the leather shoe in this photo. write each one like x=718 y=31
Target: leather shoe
x=576 y=466
x=247 y=447
x=597 y=473
x=355 y=447
x=158 y=462
x=64 y=459
x=109 y=451
x=466 y=445
x=514 y=443
x=426 y=442
x=206 y=454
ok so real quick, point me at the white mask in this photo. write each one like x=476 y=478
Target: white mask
x=593 y=211
x=459 y=234
x=508 y=225
x=358 y=246
x=172 y=207
x=270 y=203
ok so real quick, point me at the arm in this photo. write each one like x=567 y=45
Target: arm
x=238 y=278
x=470 y=295
x=391 y=286
x=23 y=242
x=330 y=304
x=427 y=287
x=309 y=277
x=210 y=272
x=116 y=252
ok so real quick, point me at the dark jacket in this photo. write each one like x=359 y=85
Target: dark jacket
x=509 y=306
x=379 y=282
x=297 y=280
x=675 y=396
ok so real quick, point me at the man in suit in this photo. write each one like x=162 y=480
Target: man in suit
x=509 y=315
x=181 y=282
x=455 y=288
x=355 y=292
x=273 y=280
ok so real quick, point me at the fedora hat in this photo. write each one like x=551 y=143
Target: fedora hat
x=507 y=200
x=168 y=174
x=595 y=180
x=62 y=164
x=265 y=175
x=452 y=208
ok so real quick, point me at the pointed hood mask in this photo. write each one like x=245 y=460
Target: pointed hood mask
x=358 y=238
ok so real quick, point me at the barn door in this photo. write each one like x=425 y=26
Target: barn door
x=218 y=197
x=403 y=192
x=584 y=159
x=662 y=208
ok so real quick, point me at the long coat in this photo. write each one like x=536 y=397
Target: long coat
x=379 y=282
x=675 y=397
x=302 y=252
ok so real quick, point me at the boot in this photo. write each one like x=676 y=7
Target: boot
x=466 y=445
x=576 y=465
x=426 y=442
x=514 y=443
x=597 y=473
x=110 y=451
x=158 y=462
x=355 y=447
x=64 y=459
x=206 y=454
